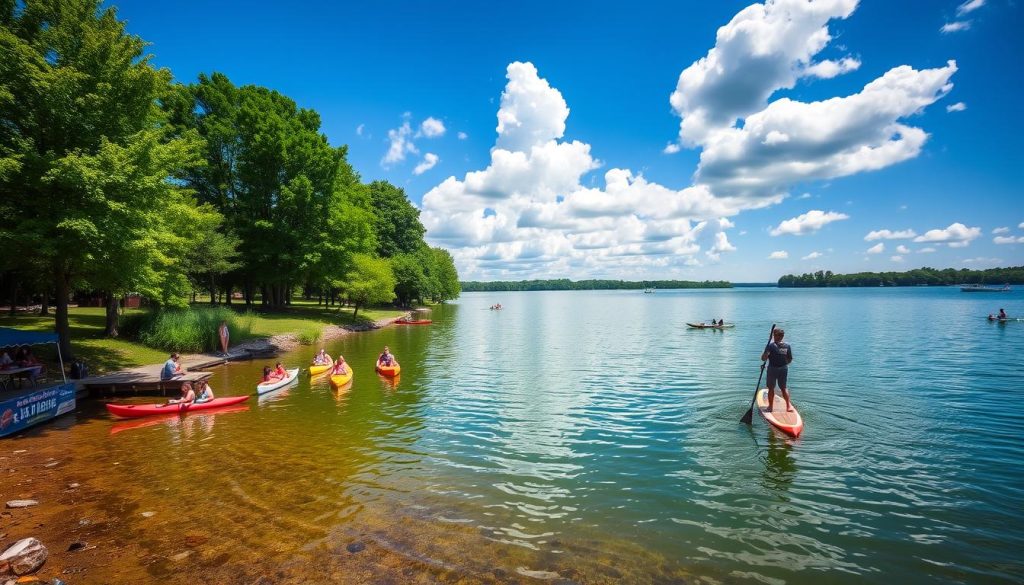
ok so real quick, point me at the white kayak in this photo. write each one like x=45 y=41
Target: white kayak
x=264 y=387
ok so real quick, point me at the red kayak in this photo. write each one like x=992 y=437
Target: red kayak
x=413 y=322
x=140 y=410
x=389 y=371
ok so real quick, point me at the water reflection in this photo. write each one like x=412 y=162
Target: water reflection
x=176 y=420
x=779 y=464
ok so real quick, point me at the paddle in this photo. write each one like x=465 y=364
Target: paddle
x=748 y=418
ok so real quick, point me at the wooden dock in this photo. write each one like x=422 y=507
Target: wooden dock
x=145 y=380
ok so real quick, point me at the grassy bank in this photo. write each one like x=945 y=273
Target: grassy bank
x=104 y=354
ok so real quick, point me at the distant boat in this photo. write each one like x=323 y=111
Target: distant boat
x=648 y=290
x=983 y=288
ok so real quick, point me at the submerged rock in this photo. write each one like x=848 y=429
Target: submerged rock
x=24 y=557
x=22 y=503
x=542 y=575
x=355 y=547
x=148 y=514
x=76 y=546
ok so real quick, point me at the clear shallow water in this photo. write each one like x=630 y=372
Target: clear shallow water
x=591 y=434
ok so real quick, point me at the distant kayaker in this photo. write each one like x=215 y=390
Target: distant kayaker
x=385 y=358
x=172 y=368
x=204 y=394
x=779 y=355
x=1002 y=314
x=188 y=396
x=340 y=367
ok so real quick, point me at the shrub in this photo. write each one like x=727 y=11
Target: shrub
x=188 y=330
x=309 y=335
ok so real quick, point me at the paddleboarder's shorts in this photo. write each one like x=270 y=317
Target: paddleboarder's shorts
x=777 y=376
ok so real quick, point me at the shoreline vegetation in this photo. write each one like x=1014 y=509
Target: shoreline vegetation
x=917 y=277
x=118 y=182
x=303 y=323
x=566 y=284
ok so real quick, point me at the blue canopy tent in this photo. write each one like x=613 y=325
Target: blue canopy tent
x=14 y=337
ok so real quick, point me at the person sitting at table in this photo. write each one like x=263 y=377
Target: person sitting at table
x=6 y=361
x=205 y=393
x=172 y=368
x=29 y=360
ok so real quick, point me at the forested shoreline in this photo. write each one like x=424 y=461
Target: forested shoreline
x=114 y=179
x=920 y=276
x=566 y=284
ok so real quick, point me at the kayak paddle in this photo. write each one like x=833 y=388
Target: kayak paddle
x=749 y=417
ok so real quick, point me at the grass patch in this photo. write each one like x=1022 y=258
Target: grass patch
x=310 y=334
x=192 y=330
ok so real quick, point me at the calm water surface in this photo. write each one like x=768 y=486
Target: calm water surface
x=592 y=435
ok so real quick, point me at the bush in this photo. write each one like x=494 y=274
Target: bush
x=309 y=335
x=188 y=330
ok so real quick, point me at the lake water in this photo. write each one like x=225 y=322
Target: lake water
x=591 y=437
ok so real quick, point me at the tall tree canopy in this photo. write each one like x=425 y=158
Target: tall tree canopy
x=396 y=221
x=84 y=154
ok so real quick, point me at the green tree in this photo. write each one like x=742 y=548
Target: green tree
x=410 y=280
x=80 y=98
x=445 y=276
x=370 y=282
x=396 y=220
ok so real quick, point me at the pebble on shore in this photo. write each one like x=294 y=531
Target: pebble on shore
x=22 y=503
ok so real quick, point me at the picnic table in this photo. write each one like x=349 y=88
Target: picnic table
x=9 y=375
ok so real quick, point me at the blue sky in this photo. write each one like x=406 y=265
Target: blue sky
x=592 y=174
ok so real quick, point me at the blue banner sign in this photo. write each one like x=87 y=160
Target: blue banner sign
x=28 y=409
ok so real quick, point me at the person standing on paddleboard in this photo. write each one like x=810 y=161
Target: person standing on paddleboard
x=779 y=355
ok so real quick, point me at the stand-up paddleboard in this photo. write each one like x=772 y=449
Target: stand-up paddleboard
x=787 y=422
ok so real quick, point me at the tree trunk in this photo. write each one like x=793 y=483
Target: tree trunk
x=213 y=291
x=110 y=330
x=14 y=296
x=61 y=314
x=228 y=288
x=354 y=312
x=44 y=306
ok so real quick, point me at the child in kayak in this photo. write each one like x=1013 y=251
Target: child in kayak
x=322 y=358
x=386 y=359
x=188 y=396
x=205 y=393
x=278 y=373
x=340 y=367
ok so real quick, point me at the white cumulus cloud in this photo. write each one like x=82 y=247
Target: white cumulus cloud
x=812 y=256
x=432 y=128
x=778 y=255
x=877 y=248
x=1008 y=240
x=896 y=258
x=429 y=161
x=1000 y=230
x=957 y=235
x=889 y=235
x=828 y=69
x=926 y=250
x=463 y=136
x=400 y=143
x=957 y=107
x=902 y=249
x=359 y=129
x=809 y=222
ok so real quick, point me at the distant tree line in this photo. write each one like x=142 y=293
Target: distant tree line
x=566 y=284
x=116 y=179
x=919 y=276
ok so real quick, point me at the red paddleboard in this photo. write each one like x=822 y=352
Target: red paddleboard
x=787 y=422
x=140 y=410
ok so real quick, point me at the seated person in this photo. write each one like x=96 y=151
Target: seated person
x=385 y=358
x=1002 y=314
x=280 y=372
x=188 y=396
x=340 y=367
x=7 y=362
x=322 y=358
x=172 y=368
x=205 y=393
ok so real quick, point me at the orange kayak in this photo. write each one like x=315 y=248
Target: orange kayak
x=389 y=371
x=788 y=422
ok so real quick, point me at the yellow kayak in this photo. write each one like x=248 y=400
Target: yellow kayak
x=317 y=370
x=342 y=379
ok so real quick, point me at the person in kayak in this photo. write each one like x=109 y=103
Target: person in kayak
x=779 y=355
x=385 y=358
x=278 y=373
x=188 y=396
x=340 y=366
x=1002 y=315
x=204 y=394
x=172 y=368
x=322 y=358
